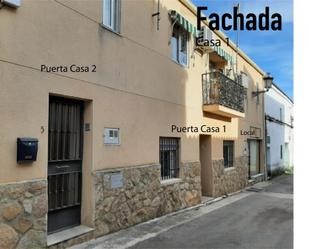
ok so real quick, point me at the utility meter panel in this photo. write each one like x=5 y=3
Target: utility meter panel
x=111 y=136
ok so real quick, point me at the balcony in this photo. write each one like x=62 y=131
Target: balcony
x=222 y=95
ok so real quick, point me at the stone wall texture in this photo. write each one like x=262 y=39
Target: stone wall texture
x=229 y=180
x=142 y=195
x=136 y=195
x=23 y=215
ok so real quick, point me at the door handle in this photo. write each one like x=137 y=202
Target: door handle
x=64 y=166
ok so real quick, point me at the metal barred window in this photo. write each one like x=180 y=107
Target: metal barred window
x=228 y=153
x=169 y=157
x=64 y=130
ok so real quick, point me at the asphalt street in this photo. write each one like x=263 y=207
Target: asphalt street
x=261 y=220
x=246 y=220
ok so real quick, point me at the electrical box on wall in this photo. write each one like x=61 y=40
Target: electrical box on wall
x=111 y=136
x=244 y=79
x=12 y=3
x=27 y=149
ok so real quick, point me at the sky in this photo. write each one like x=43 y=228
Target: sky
x=271 y=50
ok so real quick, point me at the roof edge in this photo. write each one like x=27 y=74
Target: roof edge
x=281 y=91
x=192 y=8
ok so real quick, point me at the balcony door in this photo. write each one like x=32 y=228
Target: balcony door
x=64 y=163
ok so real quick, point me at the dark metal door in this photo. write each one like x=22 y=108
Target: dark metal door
x=64 y=163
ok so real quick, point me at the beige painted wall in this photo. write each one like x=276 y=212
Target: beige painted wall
x=137 y=86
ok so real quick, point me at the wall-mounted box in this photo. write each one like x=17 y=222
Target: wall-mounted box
x=244 y=79
x=27 y=149
x=111 y=136
x=116 y=180
x=12 y=3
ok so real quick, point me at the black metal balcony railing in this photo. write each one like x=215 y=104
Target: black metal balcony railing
x=219 y=89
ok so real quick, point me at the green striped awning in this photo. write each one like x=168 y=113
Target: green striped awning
x=221 y=52
x=183 y=22
x=189 y=27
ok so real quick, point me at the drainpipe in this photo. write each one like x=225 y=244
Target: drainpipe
x=265 y=142
x=237 y=45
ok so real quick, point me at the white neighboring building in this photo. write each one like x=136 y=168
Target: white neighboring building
x=279 y=130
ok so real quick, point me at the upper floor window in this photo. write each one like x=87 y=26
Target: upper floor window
x=111 y=14
x=179 y=43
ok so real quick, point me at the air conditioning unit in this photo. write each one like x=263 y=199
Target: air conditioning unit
x=204 y=38
x=173 y=14
x=207 y=33
x=12 y=3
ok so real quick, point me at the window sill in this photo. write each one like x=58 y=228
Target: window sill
x=253 y=177
x=110 y=30
x=179 y=64
x=112 y=144
x=67 y=234
x=229 y=169
x=171 y=181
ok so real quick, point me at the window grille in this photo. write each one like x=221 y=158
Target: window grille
x=169 y=157
x=228 y=153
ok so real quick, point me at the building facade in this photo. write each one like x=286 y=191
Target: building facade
x=279 y=131
x=133 y=120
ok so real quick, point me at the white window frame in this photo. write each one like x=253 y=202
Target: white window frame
x=112 y=13
x=176 y=41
